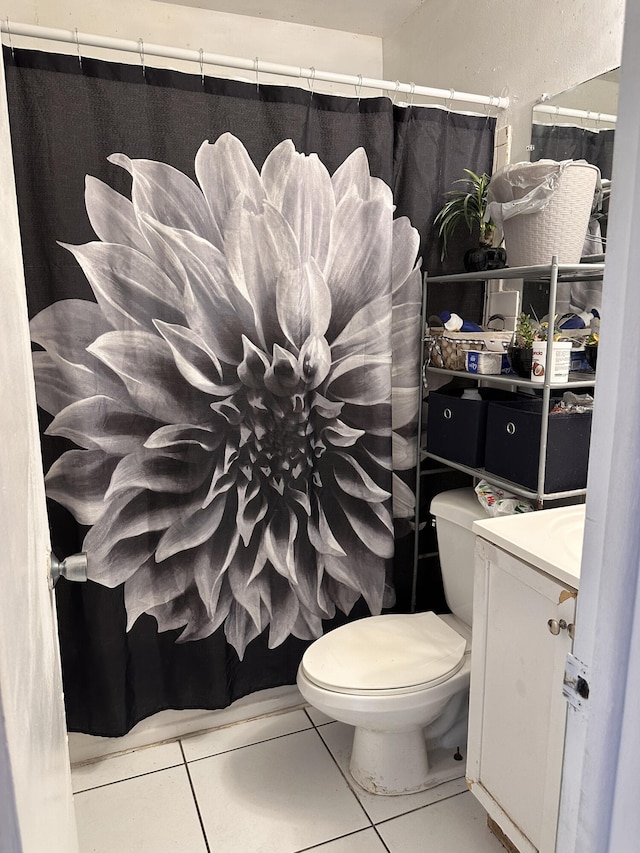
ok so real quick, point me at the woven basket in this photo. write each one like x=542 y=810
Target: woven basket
x=449 y=349
x=560 y=229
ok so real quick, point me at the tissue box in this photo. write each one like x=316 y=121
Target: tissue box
x=513 y=445
x=483 y=361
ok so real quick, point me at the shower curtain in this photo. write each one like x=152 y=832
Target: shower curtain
x=223 y=282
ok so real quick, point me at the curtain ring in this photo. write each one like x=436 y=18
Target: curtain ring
x=78 y=48
x=201 y=52
x=359 y=87
x=141 y=49
x=448 y=102
x=13 y=53
x=598 y=119
x=411 y=92
x=311 y=81
x=395 y=94
x=257 y=69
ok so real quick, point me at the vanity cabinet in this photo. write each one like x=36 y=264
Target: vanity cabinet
x=523 y=621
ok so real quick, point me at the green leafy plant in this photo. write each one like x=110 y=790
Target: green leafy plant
x=526 y=332
x=468 y=206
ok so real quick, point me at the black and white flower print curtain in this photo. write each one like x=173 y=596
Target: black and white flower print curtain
x=224 y=289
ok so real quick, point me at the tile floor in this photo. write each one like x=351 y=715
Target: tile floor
x=276 y=784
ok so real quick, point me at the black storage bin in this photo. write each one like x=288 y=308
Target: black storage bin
x=456 y=428
x=513 y=445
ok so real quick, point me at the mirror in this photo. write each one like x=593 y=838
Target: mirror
x=579 y=124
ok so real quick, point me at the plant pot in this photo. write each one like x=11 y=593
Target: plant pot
x=591 y=354
x=520 y=359
x=485 y=258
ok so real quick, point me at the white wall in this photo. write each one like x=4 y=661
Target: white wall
x=215 y=32
x=531 y=46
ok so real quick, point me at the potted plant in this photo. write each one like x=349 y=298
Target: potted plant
x=521 y=350
x=468 y=206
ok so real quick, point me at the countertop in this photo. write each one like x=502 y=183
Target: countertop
x=549 y=539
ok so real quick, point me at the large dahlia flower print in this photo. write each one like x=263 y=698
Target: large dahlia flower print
x=231 y=393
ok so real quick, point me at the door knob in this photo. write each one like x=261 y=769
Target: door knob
x=556 y=625
x=73 y=568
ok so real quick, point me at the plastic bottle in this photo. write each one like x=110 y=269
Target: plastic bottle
x=471 y=394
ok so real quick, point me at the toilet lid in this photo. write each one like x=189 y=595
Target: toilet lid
x=390 y=652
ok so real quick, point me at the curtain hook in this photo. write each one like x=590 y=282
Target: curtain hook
x=257 y=70
x=141 y=49
x=201 y=52
x=395 y=94
x=78 y=48
x=411 y=93
x=359 y=87
x=311 y=81
x=598 y=119
x=13 y=53
x=450 y=99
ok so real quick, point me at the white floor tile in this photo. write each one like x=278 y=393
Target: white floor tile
x=317 y=717
x=366 y=841
x=339 y=738
x=119 y=767
x=456 y=825
x=278 y=796
x=244 y=734
x=151 y=814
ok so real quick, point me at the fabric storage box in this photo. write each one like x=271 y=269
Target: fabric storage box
x=513 y=443
x=456 y=427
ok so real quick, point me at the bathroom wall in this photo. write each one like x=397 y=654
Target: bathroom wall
x=215 y=32
x=532 y=46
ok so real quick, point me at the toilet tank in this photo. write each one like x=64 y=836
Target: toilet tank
x=454 y=512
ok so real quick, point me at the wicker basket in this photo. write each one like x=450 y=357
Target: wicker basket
x=560 y=229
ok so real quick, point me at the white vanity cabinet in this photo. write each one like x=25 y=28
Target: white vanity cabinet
x=523 y=623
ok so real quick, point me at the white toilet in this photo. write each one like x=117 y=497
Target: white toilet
x=393 y=676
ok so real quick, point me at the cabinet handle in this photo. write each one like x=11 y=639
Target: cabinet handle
x=556 y=625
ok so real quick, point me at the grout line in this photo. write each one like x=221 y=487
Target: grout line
x=126 y=779
x=195 y=799
x=382 y=841
x=348 y=784
x=244 y=746
x=420 y=808
x=341 y=838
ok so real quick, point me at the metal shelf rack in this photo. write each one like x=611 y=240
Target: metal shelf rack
x=552 y=273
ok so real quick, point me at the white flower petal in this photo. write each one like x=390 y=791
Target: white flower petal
x=145 y=364
x=166 y=194
x=112 y=216
x=102 y=423
x=300 y=187
x=78 y=480
x=225 y=171
x=130 y=289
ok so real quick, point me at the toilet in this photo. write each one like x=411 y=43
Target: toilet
x=402 y=680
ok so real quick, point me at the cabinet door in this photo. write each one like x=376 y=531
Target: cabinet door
x=518 y=713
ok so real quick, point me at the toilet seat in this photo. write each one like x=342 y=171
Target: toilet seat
x=384 y=655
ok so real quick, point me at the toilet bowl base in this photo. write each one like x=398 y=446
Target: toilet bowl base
x=396 y=763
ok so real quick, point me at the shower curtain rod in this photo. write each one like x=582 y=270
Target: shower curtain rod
x=569 y=111
x=257 y=66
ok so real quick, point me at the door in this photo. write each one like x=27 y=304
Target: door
x=36 y=805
